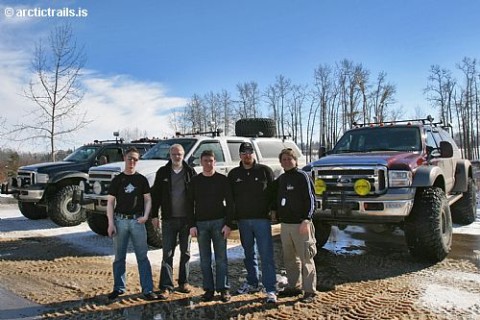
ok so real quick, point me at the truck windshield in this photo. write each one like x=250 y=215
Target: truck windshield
x=162 y=149
x=84 y=153
x=404 y=139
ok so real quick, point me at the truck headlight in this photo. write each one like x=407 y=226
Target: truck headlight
x=320 y=186
x=397 y=178
x=41 y=178
x=97 y=187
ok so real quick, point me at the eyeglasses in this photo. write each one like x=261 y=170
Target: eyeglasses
x=132 y=159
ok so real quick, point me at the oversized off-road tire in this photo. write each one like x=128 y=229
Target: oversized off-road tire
x=98 y=222
x=63 y=211
x=154 y=235
x=428 y=229
x=32 y=211
x=322 y=232
x=256 y=127
x=464 y=211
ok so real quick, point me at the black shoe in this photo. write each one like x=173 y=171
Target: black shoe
x=150 y=296
x=289 y=292
x=184 y=288
x=225 y=296
x=163 y=294
x=308 y=297
x=208 y=295
x=114 y=294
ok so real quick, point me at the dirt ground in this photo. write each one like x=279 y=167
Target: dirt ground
x=375 y=281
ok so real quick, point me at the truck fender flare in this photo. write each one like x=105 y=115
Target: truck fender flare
x=428 y=176
x=69 y=175
x=462 y=172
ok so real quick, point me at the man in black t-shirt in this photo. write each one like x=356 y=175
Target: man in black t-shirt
x=128 y=207
x=210 y=216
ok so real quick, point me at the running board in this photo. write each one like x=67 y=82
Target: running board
x=454 y=198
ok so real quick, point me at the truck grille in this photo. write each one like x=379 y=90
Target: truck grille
x=104 y=178
x=342 y=179
x=25 y=178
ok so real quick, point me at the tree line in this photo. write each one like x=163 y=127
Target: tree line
x=313 y=114
x=317 y=113
x=458 y=102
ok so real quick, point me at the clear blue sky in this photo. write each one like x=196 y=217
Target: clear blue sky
x=156 y=54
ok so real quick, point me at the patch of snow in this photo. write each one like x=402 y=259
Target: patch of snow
x=14 y=224
x=443 y=297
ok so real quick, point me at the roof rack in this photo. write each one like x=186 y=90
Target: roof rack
x=117 y=140
x=428 y=120
x=214 y=133
x=146 y=140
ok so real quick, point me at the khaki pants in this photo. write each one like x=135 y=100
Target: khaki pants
x=298 y=253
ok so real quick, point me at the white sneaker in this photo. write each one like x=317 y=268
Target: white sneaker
x=271 y=297
x=247 y=288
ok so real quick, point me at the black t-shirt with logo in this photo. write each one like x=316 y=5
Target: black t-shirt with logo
x=128 y=191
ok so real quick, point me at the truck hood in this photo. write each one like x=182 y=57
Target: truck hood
x=391 y=159
x=148 y=168
x=49 y=167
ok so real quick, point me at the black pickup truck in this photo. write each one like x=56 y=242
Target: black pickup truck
x=46 y=189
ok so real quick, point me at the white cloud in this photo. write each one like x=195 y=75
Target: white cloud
x=119 y=102
x=113 y=102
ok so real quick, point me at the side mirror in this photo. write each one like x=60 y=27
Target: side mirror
x=193 y=161
x=446 y=149
x=321 y=152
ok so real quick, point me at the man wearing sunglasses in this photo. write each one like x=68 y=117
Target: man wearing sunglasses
x=250 y=183
x=128 y=207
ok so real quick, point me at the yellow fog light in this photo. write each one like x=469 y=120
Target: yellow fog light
x=362 y=187
x=320 y=186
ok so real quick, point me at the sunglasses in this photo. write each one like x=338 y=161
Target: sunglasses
x=132 y=159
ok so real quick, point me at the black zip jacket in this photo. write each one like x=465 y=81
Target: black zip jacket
x=162 y=189
x=252 y=191
x=295 y=196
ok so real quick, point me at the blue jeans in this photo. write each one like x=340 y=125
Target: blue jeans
x=259 y=232
x=209 y=232
x=171 y=229
x=130 y=229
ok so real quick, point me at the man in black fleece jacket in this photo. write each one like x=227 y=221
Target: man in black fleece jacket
x=169 y=192
x=295 y=207
x=251 y=185
x=210 y=218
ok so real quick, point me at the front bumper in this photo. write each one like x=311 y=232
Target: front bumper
x=93 y=202
x=33 y=193
x=391 y=207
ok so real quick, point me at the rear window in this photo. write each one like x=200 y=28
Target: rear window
x=271 y=149
x=233 y=147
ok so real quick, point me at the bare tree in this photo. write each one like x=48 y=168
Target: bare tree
x=129 y=134
x=283 y=87
x=440 y=90
x=382 y=95
x=248 y=100
x=55 y=89
x=194 y=114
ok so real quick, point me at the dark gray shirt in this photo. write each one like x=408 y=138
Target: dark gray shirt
x=179 y=194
